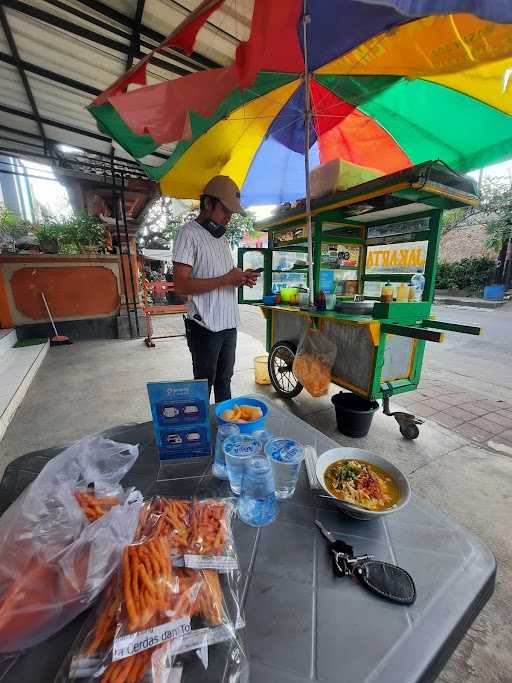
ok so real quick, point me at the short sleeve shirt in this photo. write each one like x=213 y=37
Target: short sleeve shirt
x=209 y=257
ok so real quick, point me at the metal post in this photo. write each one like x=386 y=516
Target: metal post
x=134 y=287
x=115 y=201
x=307 y=120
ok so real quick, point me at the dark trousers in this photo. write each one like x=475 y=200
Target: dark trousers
x=213 y=357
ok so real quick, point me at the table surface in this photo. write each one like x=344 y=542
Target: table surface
x=303 y=624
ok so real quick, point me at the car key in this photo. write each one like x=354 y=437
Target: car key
x=382 y=578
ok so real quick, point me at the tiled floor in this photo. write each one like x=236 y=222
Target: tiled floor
x=466 y=413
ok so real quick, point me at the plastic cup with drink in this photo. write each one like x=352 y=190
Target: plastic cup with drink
x=238 y=450
x=286 y=456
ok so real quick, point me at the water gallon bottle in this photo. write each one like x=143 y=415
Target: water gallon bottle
x=418 y=282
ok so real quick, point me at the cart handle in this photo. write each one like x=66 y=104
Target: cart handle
x=413 y=332
x=452 y=327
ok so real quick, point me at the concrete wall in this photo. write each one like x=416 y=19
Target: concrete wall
x=465 y=241
x=78 y=288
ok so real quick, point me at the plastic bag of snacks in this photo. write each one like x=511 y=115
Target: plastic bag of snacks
x=198 y=531
x=312 y=364
x=158 y=620
x=62 y=539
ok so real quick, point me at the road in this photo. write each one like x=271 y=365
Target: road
x=486 y=358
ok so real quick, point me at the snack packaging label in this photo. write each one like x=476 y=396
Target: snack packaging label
x=221 y=564
x=132 y=643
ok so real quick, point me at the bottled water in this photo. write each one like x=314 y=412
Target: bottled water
x=257 y=505
x=285 y=456
x=238 y=450
x=418 y=282
x=219 y=463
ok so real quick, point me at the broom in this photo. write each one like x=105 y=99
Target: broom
x=57 y=339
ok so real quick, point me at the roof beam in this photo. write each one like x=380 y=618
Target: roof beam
x=64 y=126
x=86 y=33
x=87 y=150
x=135 y=37
x=23 y=76
x=177 y=56
x=55 y=124
x=123 y=19
x=134 y=46
x=51 y=75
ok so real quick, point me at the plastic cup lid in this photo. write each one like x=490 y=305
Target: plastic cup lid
x=228 y=430
x=242 y=446
x=284 y=450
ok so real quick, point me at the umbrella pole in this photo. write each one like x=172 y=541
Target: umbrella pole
x=307 y=119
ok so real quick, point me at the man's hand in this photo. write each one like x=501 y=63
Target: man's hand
x=251 y=277
x=235 y=278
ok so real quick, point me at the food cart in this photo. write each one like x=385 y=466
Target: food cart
x=384 y=230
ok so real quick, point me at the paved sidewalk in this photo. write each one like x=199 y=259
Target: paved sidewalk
x=468 y=414
x=472 y=301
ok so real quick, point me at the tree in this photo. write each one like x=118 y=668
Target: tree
x=495 y=211
x=162 y=222
x=497 y=205
x=12 y=226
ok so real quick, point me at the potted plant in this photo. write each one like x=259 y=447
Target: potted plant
x=77 y=234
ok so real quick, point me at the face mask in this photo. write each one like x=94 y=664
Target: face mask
x=215 y=229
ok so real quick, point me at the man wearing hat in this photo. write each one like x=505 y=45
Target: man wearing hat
x=204 y=270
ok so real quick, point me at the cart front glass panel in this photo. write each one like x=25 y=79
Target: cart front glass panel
x=404 y=258
x=289 y=269
x=253 y=260
x=339 y=268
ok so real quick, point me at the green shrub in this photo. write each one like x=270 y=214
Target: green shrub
x=470 y=274
x=77 y=234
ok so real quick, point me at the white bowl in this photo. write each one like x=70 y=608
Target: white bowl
x=341 y=453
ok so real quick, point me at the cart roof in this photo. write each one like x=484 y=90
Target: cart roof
x=413 y=190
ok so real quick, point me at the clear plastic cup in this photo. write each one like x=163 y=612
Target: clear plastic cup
x=257 y=505
x=238 y=450
x=285 y=456
x=219 y=463
x=264 y=435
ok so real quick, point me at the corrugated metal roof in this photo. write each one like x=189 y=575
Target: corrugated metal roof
x=70 y=50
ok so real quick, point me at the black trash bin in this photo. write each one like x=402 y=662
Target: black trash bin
x=354 y=414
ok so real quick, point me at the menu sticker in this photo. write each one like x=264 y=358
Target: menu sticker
x=133 y=643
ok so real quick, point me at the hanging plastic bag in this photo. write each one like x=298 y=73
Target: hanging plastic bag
x=159 y=620
x=314 y=360
x=61 y=540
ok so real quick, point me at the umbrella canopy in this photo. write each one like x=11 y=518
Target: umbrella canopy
x=391 y=83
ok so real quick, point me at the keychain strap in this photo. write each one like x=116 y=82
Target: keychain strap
x=387 y=580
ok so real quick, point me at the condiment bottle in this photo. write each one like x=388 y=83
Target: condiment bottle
x=412 y=294
x=402 y=295
x=386 y=293
x=320 y=301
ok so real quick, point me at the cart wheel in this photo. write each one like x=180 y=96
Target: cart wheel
x=410 y=431
x=280 y=361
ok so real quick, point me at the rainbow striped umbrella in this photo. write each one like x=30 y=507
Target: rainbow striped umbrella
x=388 y=83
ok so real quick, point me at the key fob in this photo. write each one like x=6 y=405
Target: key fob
x=387 y=580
